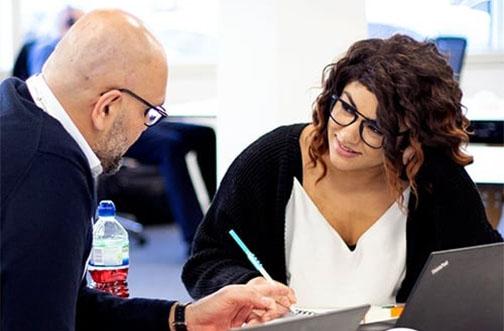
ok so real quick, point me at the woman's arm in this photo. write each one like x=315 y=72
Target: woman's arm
x=251 y=200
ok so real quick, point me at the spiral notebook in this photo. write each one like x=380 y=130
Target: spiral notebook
x=347 y=319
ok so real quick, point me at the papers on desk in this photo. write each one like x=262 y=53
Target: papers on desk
x=374 y=314
x=378 y=314
x=329 y=320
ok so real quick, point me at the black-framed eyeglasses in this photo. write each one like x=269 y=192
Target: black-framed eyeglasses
x=153 y=114
x=347 y=114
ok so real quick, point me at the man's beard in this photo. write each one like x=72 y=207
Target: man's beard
x=111 y=166
x=111 y=149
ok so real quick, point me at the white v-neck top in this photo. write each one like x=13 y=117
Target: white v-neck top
x=325 y=273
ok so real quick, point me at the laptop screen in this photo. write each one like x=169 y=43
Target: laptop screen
x=460 y=289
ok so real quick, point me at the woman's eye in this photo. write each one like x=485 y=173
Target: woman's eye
x=348 y=108
x=374 y=128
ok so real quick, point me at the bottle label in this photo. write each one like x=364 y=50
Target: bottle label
x=104 y=255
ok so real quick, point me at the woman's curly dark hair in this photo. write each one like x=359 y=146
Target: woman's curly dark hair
x=414 y=86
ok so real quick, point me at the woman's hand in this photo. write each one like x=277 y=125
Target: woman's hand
x=236 y=305
x=283 y=301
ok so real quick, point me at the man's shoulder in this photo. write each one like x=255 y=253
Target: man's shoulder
x=27 y=129
x=27 y=133
x=21 y=125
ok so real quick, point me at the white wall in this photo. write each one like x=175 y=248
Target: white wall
x=9 y=42
x=482 y=81
x=483 y=72
x=272 y=53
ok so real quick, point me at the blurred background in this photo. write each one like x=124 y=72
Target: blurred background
x=244 y=67
x=248 y=66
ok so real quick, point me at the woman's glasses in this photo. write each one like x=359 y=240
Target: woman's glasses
x=344 y=114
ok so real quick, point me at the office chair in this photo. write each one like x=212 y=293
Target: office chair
x=454 y=48
x=138 y=193
x=106 y=189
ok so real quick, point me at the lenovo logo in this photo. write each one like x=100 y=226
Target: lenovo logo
x=439 y=267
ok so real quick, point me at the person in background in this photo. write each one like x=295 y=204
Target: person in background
x=166 y=146
x=20 y=68
x=60 y=130
x=35 y=51
x=346 y=209
x=42 y=48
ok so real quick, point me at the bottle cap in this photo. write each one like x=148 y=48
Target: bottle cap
x=106 y=208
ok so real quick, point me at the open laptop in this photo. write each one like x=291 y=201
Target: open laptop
x=459 y=289
x=347 y=319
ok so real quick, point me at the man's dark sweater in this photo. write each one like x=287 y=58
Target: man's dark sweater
x=254 y=193
x=47 y=205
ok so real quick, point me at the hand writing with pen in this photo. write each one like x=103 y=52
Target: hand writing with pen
x=283 y=302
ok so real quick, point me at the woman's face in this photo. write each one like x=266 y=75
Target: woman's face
x=347 y=150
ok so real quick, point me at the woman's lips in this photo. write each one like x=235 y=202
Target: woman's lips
x=345 y=151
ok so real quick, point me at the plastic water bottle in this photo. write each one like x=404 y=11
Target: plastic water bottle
x=109 y=263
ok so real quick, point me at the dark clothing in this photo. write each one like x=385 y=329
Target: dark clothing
x=39 y=53
x=254 y=193
x=166 y=145
x=21 y=69
x=47 y=205
x=32 y=56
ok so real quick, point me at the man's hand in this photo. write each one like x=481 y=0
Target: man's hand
x=235 y=305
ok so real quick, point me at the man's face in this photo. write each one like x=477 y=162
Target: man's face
x=112 y=147
x=130 y=123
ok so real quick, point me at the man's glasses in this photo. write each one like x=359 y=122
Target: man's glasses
x=153 y=114
x=345 y=114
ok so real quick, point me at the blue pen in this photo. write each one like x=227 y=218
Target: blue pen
x=258 y=265
x=252 y=258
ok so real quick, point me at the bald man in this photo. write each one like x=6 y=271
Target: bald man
x=99 y=90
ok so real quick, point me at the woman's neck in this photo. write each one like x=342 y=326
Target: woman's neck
x=352 y=181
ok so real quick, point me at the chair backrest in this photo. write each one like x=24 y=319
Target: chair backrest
x=454 y=48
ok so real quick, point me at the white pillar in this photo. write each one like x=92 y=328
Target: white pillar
x=6 y=37
x=272 y=53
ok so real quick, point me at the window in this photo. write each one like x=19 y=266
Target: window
x=479 y=21
x=186 y=28
x=6 y=36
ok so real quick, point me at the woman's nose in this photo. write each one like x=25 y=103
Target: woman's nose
x=350 y=134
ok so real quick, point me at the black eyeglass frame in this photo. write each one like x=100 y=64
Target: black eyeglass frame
x=160 y=109
x=356 y=113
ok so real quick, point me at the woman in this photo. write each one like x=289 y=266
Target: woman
x=347 y=209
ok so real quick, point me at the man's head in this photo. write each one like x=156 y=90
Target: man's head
x=104 y=53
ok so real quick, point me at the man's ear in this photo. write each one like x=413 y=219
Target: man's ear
x=106 y=110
